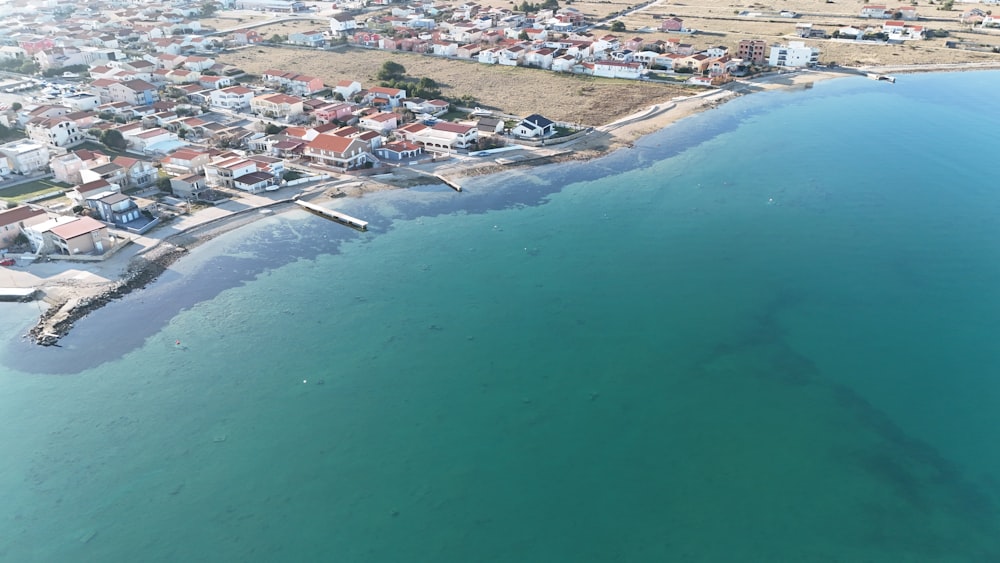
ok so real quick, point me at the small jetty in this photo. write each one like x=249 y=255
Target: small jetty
x=17 y=293
x=336 y=216
x=450 y=183
x=883 y=77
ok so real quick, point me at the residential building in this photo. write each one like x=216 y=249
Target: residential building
x=254 y=182
x=277 y=105
x=222 y=172
x=399 y=150
x=391 y=96
x=26 y=156
x=795 y=54
x=188 y=186
x=534 y=127
x=342 y=24
x=13 y=221
x=314 y=38
x=347 y=88
x=234 y=98
x=381 y=122
x=110 y=173
x=54 y=131
x=336 y=151
x=138 y=173
x=91 y=190
x=442 y=135
x=118 y=209
x=135 y=92
x=753 y=51
x=83 y=235
x=186 y=161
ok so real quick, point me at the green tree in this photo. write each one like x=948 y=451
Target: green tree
x=617 y=26
x=523 y=36
x=16 y=106
x=391 y=70
x=208 y=9
x=278 y=38
x=273 y=129
x=113 y=139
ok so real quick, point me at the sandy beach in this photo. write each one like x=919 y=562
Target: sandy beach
x=71 y=290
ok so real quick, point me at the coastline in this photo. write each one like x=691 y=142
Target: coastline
x=71 y=300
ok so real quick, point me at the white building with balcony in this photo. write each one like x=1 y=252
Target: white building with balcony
x=795 y=54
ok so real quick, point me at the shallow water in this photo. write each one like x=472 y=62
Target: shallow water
x=764 y=334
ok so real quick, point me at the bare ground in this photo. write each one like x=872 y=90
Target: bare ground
x=518 y=91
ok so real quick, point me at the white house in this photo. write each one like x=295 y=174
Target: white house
x=234 y=97
x=534 y=127
x=26 y=156
x=616 y=69
x=342 y=24
x=54 y=131
x=795 y=54
x=347 y=88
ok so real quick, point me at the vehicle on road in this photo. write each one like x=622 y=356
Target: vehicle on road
x=7 y=262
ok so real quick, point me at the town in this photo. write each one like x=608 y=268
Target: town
x=119 y=117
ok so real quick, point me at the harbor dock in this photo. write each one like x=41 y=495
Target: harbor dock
x=342 y=218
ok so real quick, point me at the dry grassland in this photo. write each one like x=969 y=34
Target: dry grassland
x=517 y=91
x=293 y=26
x=718 y=24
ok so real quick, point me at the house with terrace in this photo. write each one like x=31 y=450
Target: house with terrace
x=186 y=161
x=381 y=95
x=342 y=24
x=81 y=236
x=347 y=88
x=110 y=173
x=441 y=136
x=138 y=173
x=119 y=210
x=327 y=113
x=134 y=92
x=293 y=82
x=188 y=186
x=215 y=82
x=13 y=222
x=312 y=38
x=337 y=152
x=277 y=105
x=26 y=156
x=235 y=98
x=54 y=131
x=82 y=192
x=399 y=151
x=380 y=122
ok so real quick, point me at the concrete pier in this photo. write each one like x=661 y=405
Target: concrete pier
x=342 y=218
x=17 y=293
x=450 y=183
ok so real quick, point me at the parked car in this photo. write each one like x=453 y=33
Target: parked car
x=7 y=262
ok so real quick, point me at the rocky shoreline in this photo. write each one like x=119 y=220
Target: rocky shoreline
x=143 y=269
x=57 y=321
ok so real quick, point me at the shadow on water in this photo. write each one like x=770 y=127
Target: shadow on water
x=915 y=472
x=145 y=312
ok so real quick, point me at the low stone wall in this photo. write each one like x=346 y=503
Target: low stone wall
x=553 y=140
x=89 y=257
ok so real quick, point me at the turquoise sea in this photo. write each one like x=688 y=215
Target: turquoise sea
x=767 y=333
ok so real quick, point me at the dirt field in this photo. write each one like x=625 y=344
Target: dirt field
x=517 y=91
x=717 y=23
x=295 y=26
